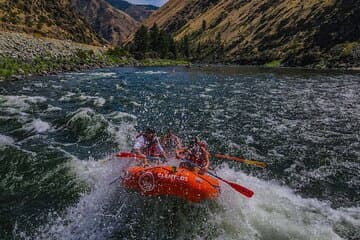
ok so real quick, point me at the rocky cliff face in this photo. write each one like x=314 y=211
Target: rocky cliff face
x=110 y=23
x=293 y=32
x=138 y=12
x=47 y=18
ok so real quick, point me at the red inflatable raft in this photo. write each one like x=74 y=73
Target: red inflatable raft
x=171 y=181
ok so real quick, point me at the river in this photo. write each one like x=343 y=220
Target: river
x=55 y=131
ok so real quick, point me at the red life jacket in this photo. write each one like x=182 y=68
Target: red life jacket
x=197 y=156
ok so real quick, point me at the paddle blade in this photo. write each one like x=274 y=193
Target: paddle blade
x=250 y=162
x=243 y=190
x=256 y=163
x=130 y=155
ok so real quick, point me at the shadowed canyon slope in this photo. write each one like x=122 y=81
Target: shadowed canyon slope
x=110 y=23
x=138 y=12
x=50 y=18
x=293 y=32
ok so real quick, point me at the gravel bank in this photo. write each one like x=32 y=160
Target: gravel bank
x=26 y=47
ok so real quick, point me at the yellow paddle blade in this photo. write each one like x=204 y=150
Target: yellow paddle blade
x=250 y=162
x=256 y=163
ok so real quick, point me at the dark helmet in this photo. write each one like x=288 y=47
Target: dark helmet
x=149 y=131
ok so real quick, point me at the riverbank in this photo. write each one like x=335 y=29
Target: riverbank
x=23 y=55
x=12 y=68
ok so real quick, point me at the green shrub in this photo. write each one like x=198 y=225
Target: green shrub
x=275 y=63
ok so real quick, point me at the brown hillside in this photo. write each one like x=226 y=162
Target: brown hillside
x=297 y=32
x=110 y=23
x=47 y=18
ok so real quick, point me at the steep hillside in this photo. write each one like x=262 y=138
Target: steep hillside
x=175 y=14
x=293 y=32
x=138 y=12
x=48 y=18
x=110 y=23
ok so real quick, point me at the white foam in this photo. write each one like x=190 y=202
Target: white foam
x=39 y=85
x=103 y=74
x=204 y=96
x=249 y=139
x=136 y=104
x=56 y=86
x=122 y=133
x=38 y=126
x=67 y=97
x=152 y=72
x=5 y=140
x=121 y=115
x=53 y=108
x=70 y=96
x=88 y=219
x=276 y=212
x=99 y=101
x=21 y=102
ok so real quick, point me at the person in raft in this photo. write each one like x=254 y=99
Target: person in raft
x=197 y=156
x=147 y=143
x=171 y=143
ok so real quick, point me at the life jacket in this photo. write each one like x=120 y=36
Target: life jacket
x=150 y=147
x=197 y=155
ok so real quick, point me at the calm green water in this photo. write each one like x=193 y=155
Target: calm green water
x=306 y=125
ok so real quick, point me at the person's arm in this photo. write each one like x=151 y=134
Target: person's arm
x=181 y=152
x=206 y=164
x=138 y=145
x=160 y=149
x=178 y=142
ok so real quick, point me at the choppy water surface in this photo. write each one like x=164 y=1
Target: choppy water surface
x=54 y=132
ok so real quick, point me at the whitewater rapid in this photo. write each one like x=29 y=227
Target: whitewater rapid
x=275 y=211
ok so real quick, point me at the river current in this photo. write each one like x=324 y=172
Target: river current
x=56 y=131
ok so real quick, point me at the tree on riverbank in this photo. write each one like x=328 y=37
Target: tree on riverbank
x=155 y=43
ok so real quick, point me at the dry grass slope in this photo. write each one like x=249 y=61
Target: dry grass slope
x=47 y=18
x=297 y=32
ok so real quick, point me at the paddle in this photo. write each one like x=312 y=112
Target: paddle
x=125 y=155
x=130 y=155
x=251 y=162
x=243 y=190
x=113 y=181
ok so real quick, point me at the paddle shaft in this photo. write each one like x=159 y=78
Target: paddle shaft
x=113 y=181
